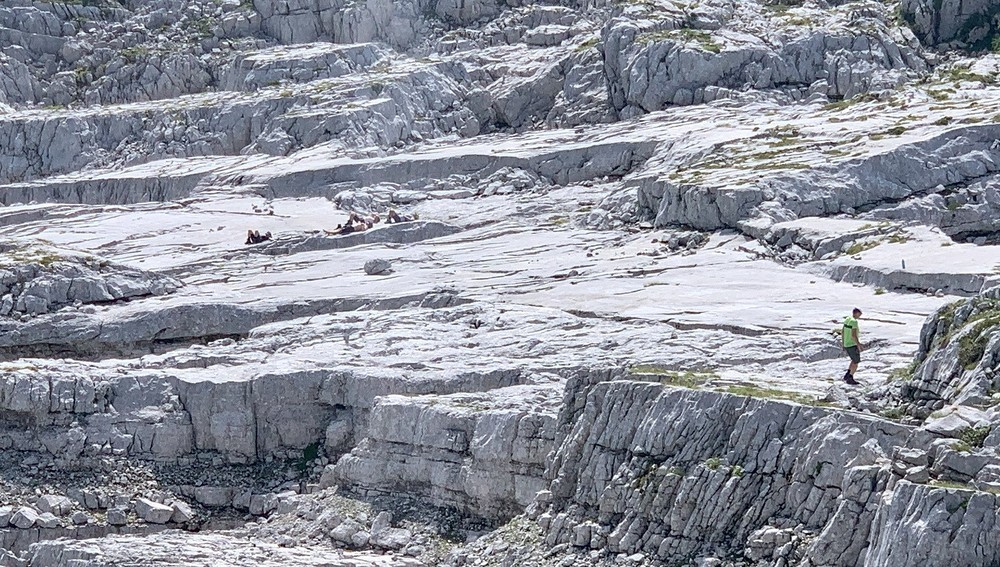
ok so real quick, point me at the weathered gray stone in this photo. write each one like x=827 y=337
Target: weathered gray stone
x=345 y=531
x=47 y=520
x=56 y=504
x=182 y=512
x=117 y=517
x=80 y=518
x=391 y=538
x=214 y=496
x=24 y=518
x=377 y=266
x=153 y=512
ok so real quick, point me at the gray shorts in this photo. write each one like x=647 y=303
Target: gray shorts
x=854 y=353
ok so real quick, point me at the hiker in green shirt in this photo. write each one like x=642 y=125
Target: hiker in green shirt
x=852 y=344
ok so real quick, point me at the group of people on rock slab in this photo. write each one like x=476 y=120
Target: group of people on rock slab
x=355 y=223
x=359 y=223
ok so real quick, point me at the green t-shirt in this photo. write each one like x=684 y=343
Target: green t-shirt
x=849 y=324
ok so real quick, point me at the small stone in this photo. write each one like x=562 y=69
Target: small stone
x=382 y=522
x=47 y=520
x=80 y=518
x=261 y=504
x=377 y=266
x=344 y=533
x=214 y=496
x=329 y=476
x=392 y=538
x=117 y=517
x=24 y=518
x=56 y=504
x=919 y=475
x=360 y=539
x=415 y=550
x=182 y=512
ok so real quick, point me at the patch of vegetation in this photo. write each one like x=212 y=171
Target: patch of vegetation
x=974 y=436
x=643 y=479
x=963 y=73
x=736 y=471
x=947 y=318
x=675 y=471
x=838 y=105
x=972 y=343
x=309 y=454
x=135 y=53
x=880 y=291
x=904 y=373
x=778 y=165
x=961 y=447
x=204 y=26
x=686 y=379
x=713 y=463
x=17 y=367
x=472 y=406
x=802 y=21
x=894 y=414
x=80 y=73
x=589 y=44
x=938 y=95
x=42 y=257
x=687 y=35
x=771 y=394
x=899 y=237
x=859 y=247
x=950 y=484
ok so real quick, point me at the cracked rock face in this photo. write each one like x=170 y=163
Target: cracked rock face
x=482 y=283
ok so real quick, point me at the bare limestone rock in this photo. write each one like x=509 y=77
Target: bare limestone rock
x=391 y=538
x=730 y=456
x=56 y=504
x=484 y=453
x=959 y=350
x=377 y=267
x=47 y=520
x=153 y=512
x=949 y=23
x=117 y=517
x=214 y=496
x=182 y=512
x=24 y=518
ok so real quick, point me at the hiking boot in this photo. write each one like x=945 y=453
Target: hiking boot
x=850 y=380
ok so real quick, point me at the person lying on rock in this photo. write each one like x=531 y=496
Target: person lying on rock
x=355 y=223
x=367 y=221
x=350 y=227
x=852 y=344
x=255 y=237
x=396 y=217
